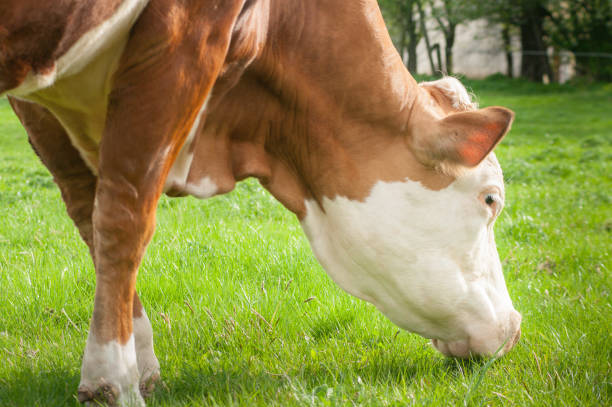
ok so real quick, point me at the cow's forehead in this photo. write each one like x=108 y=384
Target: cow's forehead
x=487 y=175
x=492 y=171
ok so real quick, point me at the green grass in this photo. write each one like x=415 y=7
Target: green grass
x=216 y=266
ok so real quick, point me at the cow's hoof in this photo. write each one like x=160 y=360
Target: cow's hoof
x=108 y=395
x=105 y=394
x=147 y=384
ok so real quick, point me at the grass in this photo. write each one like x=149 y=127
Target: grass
x=244 y=315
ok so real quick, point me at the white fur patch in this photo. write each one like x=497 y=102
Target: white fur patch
x=148 y=365
x=34 y=82
x=77 y=93
x=86 y=48
x=205 y=188
x=178 y=174
x=98 y=39
x=455 y=92
x=114 y=364
x=426 y=259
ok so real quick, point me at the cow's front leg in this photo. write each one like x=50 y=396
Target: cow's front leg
x=130 y=181
x=122 y=227
x=165 y=74
x=77 y=184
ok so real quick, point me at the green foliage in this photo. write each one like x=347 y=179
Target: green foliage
x=580 y=26
x=449 y=14
x=401 y=20
x=214 y=265
x=584 y=27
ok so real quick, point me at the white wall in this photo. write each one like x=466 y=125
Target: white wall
x=478 y=51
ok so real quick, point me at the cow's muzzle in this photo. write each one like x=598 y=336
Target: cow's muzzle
x=484 y=344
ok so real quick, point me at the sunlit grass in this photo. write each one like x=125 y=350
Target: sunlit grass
x=243 y=314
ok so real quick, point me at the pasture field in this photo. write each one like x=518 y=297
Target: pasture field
x=244 y=315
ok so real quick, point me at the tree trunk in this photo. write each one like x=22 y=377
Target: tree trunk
x=436 y=48
x=448 y=32
x=413 y=39
x=448 y=50
x=426 y=36
x=508 y=50
x=594 y=37
x=534 y=60
x=402 y=45
x=556 y=66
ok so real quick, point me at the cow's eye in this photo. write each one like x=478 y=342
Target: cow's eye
x=493 y=200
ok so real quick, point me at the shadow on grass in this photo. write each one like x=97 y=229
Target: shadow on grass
x=36 y=388
x=206 y=383
x=329 y=326
x=455 y=366
x=195 y=385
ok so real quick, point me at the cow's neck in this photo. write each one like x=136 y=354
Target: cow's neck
x=313 y=101
x=337 y=97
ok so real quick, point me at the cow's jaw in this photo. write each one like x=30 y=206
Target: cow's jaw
x=426 y=259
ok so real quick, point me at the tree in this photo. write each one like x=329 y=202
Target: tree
x=503 y=13
x=534 y=57
x=448 y=15
x=402 y=18
x=422 y=22
x=585 y=28
x=527 y=17
x=507 y=39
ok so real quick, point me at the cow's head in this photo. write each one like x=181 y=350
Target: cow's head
x=424 y=252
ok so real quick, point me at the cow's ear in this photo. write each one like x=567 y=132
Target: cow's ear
x=462 y=139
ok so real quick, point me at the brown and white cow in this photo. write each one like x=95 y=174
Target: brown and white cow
x=394 y=183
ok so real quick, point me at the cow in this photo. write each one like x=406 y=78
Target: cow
x=394 y=183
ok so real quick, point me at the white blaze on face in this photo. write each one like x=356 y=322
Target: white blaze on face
x=426 y=259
